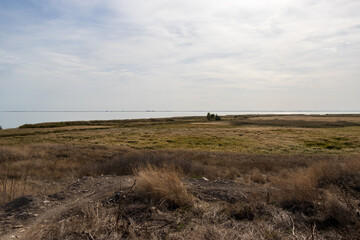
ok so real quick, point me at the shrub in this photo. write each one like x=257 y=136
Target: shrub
x=211 y=116
x=208 y=117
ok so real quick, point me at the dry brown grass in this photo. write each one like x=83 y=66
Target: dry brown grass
x=42 y=168
x=204 y=221
x=185 y=161
x=257 y=176
x=304 y=183
x=89 y=221
x=312 y=175
x=325 y=194
x=51 y=161
x=162 y=185
x=37 y=168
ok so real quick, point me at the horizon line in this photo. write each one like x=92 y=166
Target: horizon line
x=180 y=110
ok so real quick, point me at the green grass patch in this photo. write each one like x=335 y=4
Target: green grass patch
x=336 y=143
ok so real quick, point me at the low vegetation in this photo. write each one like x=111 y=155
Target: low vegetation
x=198 y=134
x=294 y=123
x=162 y=185
x=245 y=177
x=325 y=193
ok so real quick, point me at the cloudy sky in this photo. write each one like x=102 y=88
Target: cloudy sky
x=179 y=55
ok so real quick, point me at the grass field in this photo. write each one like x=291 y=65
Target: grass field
x=250 y=134
x=304 y=163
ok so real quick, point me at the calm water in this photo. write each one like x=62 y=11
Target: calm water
x=16 y=119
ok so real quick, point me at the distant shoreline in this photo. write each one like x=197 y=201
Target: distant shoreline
x=240 y=111
x=14 y=119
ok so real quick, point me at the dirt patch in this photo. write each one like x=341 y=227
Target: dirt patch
x=18 y=204
x=218 y=190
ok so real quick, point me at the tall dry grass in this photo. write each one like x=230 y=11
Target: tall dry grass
x=162 y=185
x=326 y=194
x=304 y=183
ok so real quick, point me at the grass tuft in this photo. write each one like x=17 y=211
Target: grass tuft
x=162 y=185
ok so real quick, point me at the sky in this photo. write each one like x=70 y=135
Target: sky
x=179 y=55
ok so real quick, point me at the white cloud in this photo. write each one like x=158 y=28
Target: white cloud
x=172 y=54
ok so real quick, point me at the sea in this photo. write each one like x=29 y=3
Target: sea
x=14 y=119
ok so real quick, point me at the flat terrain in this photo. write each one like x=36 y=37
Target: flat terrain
x=245 y=134
x=243 y=177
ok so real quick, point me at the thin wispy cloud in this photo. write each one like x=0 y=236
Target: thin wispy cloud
x=135 y=55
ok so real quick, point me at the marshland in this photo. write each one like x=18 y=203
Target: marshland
x=237 y=177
